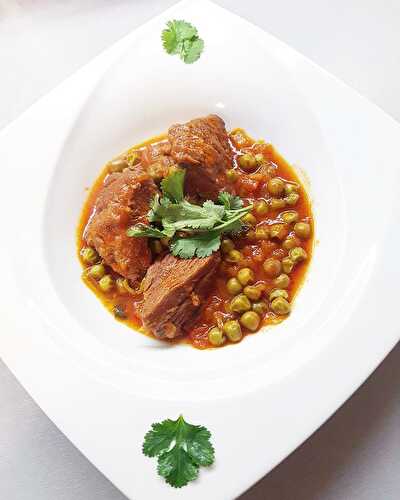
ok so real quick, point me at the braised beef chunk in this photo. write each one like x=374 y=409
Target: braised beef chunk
x=156 y=160
x=202 y=146
x=123 y=201
x=174 y=290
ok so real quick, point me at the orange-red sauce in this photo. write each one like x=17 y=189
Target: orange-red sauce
x=250 y=187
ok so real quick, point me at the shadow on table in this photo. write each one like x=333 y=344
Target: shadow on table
x=313 y=468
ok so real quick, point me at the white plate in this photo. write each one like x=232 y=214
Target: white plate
x=103 y=384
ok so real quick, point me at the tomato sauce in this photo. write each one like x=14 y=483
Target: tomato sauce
x=251 y=187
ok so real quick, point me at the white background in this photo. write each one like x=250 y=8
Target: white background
x=355 y=456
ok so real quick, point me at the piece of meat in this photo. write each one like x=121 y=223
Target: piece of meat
x=123 y=201
x=173 y=292
x=156 y=160
x=202 y=146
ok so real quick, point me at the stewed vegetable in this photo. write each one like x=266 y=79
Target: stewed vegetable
x=245 y=276
x=106 y=283
x=247 y=162
x=250 y=320
x=272 y=267
x=97 y=271
x=262 y=257
x=240 y=304
x=216 y=337
x=232 y=330
x=302 y=230
x=276 y=186
x=234 y=286
x=89 y=255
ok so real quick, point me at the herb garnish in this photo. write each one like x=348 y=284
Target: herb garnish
x=182 y=38
x=194 y=230
x=181 y=448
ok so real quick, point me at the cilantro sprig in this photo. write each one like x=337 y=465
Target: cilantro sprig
x=181 y=37
x=194 y=230
x=181 y=448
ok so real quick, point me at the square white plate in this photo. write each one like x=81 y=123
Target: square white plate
x=101 y=383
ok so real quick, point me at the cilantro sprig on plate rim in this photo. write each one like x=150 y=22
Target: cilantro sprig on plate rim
x=193 y=230
x=181 y=448
x=181 y=37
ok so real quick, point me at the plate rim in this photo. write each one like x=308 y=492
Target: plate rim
x=14 y=356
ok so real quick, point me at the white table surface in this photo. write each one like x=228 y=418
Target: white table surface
x=355 y=455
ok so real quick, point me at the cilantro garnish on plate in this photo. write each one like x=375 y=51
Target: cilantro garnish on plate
x=181 y=37
x=193 y=230
x=181 y=448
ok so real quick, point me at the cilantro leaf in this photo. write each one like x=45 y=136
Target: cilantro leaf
x=182 y=30
x=159 y=438
x=172 y=186
x=196 y=229
x=181 y=448
x=199 y=245
x=177 y=467
x=141 y=230
x=199 y=446
x=229 y=201
x=170 y=39
x=185 y=215
x=192 y=50
x=181 y=37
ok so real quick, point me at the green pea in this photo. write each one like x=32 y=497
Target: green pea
x=232 y=330
x=280 y=306
x=278 y=293
x=277 y=203
x=272 y=267
x=276 y=186
x=216 y=337
x=249 y=219
x=291 y=188
x=247 y=162
x=259 y=157
x=106 y=283
x=97 y=271
x=290 y=242
x=287 y=265
x=297 y=254
x=234 y=256
x=245 y=276
x=290 y=216
x=89 y=255
x=260 y=308
x=262 y=233
x=232 y=175
x=302 y=230
x=250 y=320
x=120 y=282
x=292 y=198
x=227 y=245
x=233 y=286
x=252 y=292
x=261 y=207
x=278 y=231
x=251 y=235
x=282 y=281
x=240 y=303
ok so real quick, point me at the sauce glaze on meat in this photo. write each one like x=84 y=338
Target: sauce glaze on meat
x=172 y=298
